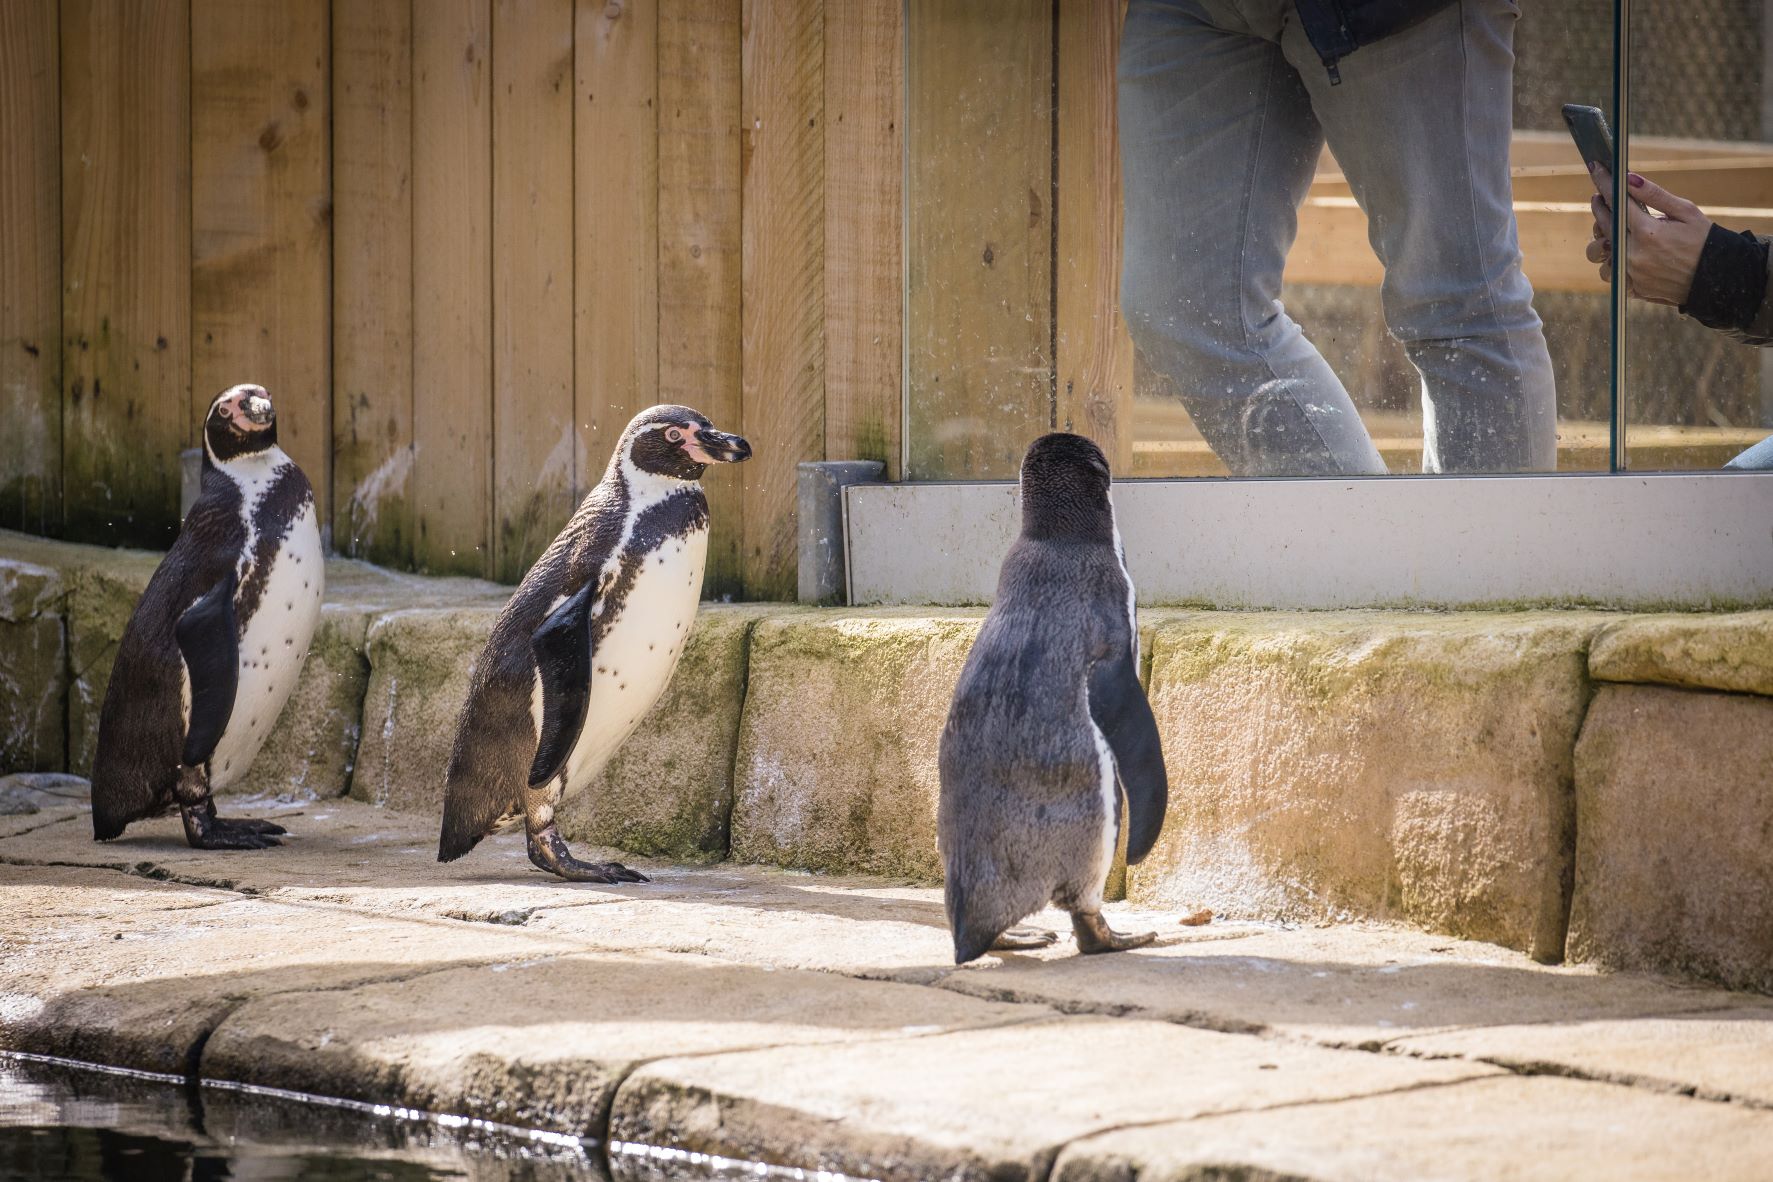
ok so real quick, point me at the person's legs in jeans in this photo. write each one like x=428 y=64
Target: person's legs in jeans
x=1218 y=145
x=1421 y=124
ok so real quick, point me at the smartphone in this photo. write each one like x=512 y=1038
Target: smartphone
x=1588 y=127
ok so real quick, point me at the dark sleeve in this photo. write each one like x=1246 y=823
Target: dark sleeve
x=1730 y=283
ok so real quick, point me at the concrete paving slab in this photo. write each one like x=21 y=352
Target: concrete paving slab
x=141 y=987
x=984 y=1104
x=1349 y=985
x=338 y=851
x=1714 y=1054
x=546 y=1043
x=1524 y=1130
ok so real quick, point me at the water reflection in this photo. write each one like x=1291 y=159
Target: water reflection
x=79 y=1124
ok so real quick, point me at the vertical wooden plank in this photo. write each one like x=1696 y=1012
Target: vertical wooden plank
x=533 y=437
x=452 y=285
x=783 y=301
x=261 y=216
x=126 y=267
x=1094 y=353
x=372 y=280
x=616 y=199
x=699 y=236
x=979 y=308
x=30 y=268
x=864 y=276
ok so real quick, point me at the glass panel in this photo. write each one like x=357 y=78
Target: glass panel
x=1701 y=108
x=1251 y=358
x=979 y=235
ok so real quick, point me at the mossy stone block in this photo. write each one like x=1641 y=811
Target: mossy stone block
x=102 y=597
x=420 y=660
x=1674 y=821
x=668 y=792
x=1732 y=651
x=33 y=668
x=843 y=715
x=1406 y=766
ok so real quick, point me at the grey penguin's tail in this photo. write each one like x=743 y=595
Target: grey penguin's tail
x=495 y=741
x=974 y=934
x=473 y=802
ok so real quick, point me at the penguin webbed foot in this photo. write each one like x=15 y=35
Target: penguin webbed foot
x=548 y=850
x=1094 y=935
x=1023 y=939
x=206 y=831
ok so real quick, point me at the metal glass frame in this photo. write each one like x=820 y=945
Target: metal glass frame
x=1575 y=539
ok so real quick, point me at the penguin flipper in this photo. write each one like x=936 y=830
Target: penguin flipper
x=209 y=642
x=1121 y=712
x=562 y=647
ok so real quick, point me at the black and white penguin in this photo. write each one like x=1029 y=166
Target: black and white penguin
x=1047 y=717
x=214 y=648
x=587 y=643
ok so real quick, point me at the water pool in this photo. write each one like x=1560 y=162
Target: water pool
x=66 y=1122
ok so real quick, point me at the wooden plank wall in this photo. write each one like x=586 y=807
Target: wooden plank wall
x=372 y=269
x=464 y=241
x=30 y=268
x=126 y=266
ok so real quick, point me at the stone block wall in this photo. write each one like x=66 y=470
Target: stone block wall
x=1578 y=785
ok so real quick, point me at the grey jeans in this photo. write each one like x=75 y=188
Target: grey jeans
x=1224 y=107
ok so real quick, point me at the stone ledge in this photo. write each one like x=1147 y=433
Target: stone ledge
x=668 y=791
x=1393 y=765
x=1722 y=652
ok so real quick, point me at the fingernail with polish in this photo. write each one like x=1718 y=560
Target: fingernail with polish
x=1637 y=182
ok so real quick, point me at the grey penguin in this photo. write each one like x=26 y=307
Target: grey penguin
x=1049 y=723
x=587 y=643
x=218 y=639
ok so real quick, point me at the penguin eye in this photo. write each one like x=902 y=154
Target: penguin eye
x=674 y=435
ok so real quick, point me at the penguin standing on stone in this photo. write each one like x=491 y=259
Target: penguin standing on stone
x=1049 y=723
x=214 y=648
x=587 y=643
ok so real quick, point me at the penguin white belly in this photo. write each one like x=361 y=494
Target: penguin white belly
x=635 y=657
x=1109 y=797
x=273 y=648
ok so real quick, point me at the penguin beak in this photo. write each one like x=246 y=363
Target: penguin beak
x=257 y=408
x=708 y=446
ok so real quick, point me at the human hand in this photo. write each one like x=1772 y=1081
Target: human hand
x=1664 y=250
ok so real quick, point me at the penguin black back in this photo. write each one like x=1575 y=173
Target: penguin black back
x=1049 y=721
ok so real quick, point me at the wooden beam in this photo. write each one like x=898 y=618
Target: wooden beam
x=126 y=267
x=452 y=285
x=533 y=438
x=699 y=237
x=372 y=281
x=30 y=268
x=616 y=252
x=864 y=208
x=783 y=292
x=261 y=216
x=1094 y=358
